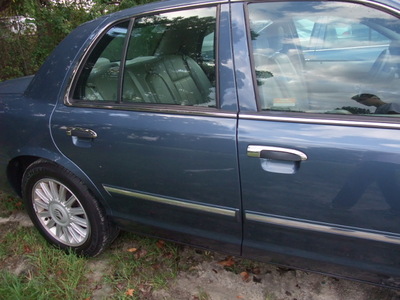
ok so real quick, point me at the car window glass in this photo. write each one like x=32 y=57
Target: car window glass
x=325 y=57
x=170 y=59
x=102 y=67
x=342 y=33
x=304 y=28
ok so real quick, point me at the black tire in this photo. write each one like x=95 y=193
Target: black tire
x=64 y=211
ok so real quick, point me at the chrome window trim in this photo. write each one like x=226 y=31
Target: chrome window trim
x=373 y=235
x=230 y=212
x=164 y=109
x=363 y=2
x=321 y=121
x=68 y=101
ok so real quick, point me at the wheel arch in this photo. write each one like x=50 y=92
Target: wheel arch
x=18 y=165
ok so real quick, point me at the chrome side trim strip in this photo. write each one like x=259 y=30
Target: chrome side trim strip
x=377 y=236
x=174 y=202
x=322 y=121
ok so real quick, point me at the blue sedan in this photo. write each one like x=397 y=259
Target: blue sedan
x=219 y=124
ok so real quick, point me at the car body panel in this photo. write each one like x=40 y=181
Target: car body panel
x=139 y=155
x=317 y=191
x=158 y=161
x=289 y=206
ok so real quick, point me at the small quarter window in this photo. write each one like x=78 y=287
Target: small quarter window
x=98 y=80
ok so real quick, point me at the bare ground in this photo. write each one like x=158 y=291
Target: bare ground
x=208 y=278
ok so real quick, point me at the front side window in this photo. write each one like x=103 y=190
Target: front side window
x=325 y=57
x=169 y=59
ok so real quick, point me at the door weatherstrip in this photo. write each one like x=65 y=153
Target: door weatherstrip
x=174 y=202
x=378 y=236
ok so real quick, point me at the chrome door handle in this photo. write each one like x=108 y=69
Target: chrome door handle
x=275 y=153
x=79 y=132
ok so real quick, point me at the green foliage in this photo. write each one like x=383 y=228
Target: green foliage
x=9 y=204
x=45 y=272
x=42 y=24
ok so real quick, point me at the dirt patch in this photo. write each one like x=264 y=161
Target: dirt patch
x=209 y=280
x=213 y=276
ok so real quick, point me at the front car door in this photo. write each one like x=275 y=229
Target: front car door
x=145 y=123
x=319 y=154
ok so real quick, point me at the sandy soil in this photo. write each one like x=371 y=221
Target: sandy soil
x=210 y=279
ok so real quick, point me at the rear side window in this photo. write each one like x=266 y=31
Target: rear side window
x=165 y=58
x=165 y=62
x=326 y=57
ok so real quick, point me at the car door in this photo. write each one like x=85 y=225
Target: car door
x=157 y=141
x=319 y=176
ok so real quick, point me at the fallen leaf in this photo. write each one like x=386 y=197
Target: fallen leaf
x=245 y=276
x=168 y=255
x=228 y=262
x=27 y=249
x=130 y=292
x=132 y=250
x=145 y=290
x=160 y=244
x=140 y=253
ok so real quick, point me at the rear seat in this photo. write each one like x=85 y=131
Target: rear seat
x=169 y=79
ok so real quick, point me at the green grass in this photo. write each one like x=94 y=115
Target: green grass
x=32 y=269
x=142 y=263
x=140 y=266
x=45 y=272
x=8 y=204
x=132 y=268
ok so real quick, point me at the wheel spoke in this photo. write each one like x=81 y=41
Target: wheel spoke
x=41 y=204
x=45 y=188
x=71 y=200
x=42 y=195
x=59 y=231
x=76 y=232
x=50 y=224
x=44 y=214
x=76 y=211
x=67 y=235
x=54 y=190
x=62 y=193
x=79 y=221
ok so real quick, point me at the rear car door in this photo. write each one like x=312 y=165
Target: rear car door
x=319 y=168
x=144 y=122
